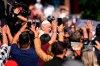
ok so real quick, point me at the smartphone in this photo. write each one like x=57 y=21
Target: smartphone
x=59 y=20
x=28 y=25
x=38 y=24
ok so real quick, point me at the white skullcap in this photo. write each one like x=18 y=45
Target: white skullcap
x=45 y=22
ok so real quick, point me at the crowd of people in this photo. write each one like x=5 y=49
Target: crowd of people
x=37 y=35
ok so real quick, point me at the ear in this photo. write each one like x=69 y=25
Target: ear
x=42 y=27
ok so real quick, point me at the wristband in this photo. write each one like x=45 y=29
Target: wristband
x=61 y=32
x=55 y=32
x=35 y=37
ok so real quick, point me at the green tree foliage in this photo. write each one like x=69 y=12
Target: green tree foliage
x=90 y=9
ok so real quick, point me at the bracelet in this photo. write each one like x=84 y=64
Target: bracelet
x=61 y=32
x=35 y=37
x=55 y=32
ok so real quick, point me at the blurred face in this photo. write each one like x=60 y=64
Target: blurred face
x=72 y=28
x=31 y=7
x=66 y=34
x=46 y=28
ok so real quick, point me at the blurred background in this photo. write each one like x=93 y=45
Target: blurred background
x=86 y=9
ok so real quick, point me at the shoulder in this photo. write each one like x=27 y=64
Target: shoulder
x=14 y=46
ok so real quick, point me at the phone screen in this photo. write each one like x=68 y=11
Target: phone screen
x=59 y=20
x=28 y=25
x=38 y=24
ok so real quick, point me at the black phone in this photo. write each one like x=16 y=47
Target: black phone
x=38 y=24
x=28 y=25
x=59 y=20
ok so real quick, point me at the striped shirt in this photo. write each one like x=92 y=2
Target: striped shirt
x=4 y=53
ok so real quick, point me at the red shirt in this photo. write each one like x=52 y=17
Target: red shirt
x=44 y=48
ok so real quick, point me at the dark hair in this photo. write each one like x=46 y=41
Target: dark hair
x=76 y=36
x=98 y=30
x=57 y=48
x=73 y=25
x=64 y=20
x=24 y=38
x=45 y=38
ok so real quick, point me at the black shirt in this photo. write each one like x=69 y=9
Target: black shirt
x=56 y=61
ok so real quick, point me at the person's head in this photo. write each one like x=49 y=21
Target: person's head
x=65 y=21
x=38 y=1
x=58 y=48
x=73 y=27
x=89 y=58
x=62 y=9
x=24 y=40
x=32 y=8
x=98 y=30
x=76 y=36
x=73 y=63
x=66 y=33
x=69 y=54
x=46 y=26
x=45 y=38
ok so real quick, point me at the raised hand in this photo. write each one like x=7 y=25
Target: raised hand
x=23 y=28
x=35 y=30
x=16 y=11
x=54 y=25
x=89 y=25
x=61 y=28
x=4 y=29
x=97 y=45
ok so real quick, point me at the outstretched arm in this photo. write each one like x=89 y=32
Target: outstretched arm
x=45 y=57
x=89 y=25
x=10 y=37
x=4 y=36
x=54 y=34
x=16 y=37
x=61 y=33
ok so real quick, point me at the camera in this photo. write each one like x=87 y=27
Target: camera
x=85 y=41
x=50 y=18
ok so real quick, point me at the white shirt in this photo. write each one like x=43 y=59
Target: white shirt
x=38 y=6
x=48 y=11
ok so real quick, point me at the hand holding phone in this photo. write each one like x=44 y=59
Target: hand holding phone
x=28 y=25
